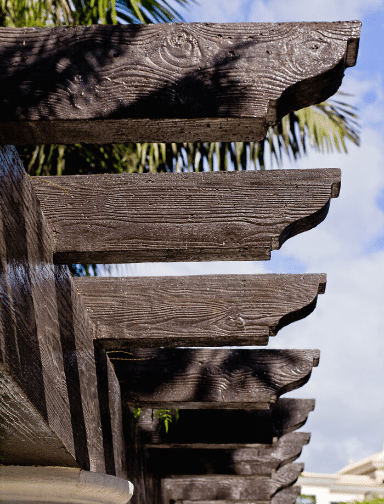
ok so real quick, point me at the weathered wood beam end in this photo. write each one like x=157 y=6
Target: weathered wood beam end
x=261 y=461
x=166 y=82
x=287 y=495
x=214 y=310
x=234 y=488
x=182 y=216
x=210 y=378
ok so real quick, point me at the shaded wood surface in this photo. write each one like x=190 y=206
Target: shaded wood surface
x=116 y=412
x=30 y=336
x=109 y=399
x=214 y=310
x=182 y=216
x=166 y=82
x=262 y=461
x=147 y=484
x=210 y=378
x=25 y=438
x=287 y=495
x=207 y=488
x=46 y=335
x=220 y=428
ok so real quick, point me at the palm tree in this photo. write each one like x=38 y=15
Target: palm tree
x=325 y=127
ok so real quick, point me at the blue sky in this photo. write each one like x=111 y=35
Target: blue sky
x=348 y=421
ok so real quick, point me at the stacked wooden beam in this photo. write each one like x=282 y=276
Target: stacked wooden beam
x=77 y=354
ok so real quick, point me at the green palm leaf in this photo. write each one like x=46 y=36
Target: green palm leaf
x=149 y=11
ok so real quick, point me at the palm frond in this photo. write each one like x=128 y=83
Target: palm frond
x=19 y=13
x=149 y=11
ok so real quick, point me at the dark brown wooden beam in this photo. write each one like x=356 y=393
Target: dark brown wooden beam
x=214 y=310
x=261 y=461
x=210 y=378
x=25 y=437
x=209 y=429
x=166 y=82
x=287 y=495
x=182 y=216
x=235 y=488
x=46 y=335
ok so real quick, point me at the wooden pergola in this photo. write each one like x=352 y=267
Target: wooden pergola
x=67 y=386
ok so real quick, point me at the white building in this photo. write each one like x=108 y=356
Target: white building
x=356 y=482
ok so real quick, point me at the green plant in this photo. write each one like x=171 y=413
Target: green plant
x=165 y=417
x=136 y=412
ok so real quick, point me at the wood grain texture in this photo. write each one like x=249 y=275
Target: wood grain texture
x=210 y=378
x=214 y=310
x=182 y=216
x=116 y=411
x=25 y=438
x=261 y=461
x=216 y=429
x=287 y=495
x=32 y=354
x=146 y=483
x=207 y=488
x=151 y=82
x=46 y=334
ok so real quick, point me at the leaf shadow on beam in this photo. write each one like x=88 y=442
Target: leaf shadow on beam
x=89 y=73
x=209 y=378
x=213 y=428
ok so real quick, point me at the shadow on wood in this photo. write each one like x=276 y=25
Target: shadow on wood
x=46 y=336
x=166 y=82
x=220 y=428
x=210 y=378
x=261 y=461
x=233 y=488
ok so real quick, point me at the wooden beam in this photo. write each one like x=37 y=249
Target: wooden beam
x=166 y=82
x=210 y=378
x=182 y=216
x=46 y=335
x=111 y=415
x=285 y=477
x=221 y=427
x=209 y=488
x=214 y=310
x=287 y=495
x=261 y=461
x=25 y=438
x=198 y=429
